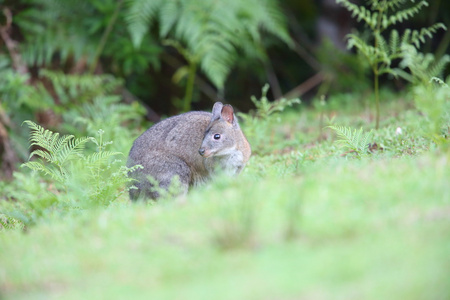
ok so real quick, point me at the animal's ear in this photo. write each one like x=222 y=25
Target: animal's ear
x=228 y=113
x=217 y=110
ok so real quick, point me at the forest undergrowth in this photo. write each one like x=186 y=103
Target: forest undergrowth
x=326 y=209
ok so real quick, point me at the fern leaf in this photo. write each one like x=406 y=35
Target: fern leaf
x=360 y=12
x=439 y=81
x=354 y=140
x=404 y=14
x=139 y=16
x=418 y=36
x=49 y=157
x=72 y=149
x=389 y=5
x=100 y=157
x=273 y=20
x=437 y=67
x=44 y=138
x=213 y=33
x=169 y=13
x=366 y=50
x=50 y=170
x=58 y=144
x=422 y=66
x=54 y=149
x=394 y=42
x=382 y=50
x=43 y=37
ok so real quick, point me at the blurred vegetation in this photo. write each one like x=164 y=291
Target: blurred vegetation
x=380 y=16
x=326 y=208
x=158 y=58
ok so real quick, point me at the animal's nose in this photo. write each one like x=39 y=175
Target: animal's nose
x=201 y=151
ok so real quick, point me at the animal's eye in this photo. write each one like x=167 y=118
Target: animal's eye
x=217 y=136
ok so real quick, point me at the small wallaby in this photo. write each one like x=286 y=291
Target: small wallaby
x=191 y=146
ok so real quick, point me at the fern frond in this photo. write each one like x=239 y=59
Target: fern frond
x=405 y=14
x=72 y=149
x=213 y=33
x=273 y=20
x=44 y=37
x=388 y=5
x=168 y=15
x=79 y=88
x=368 y=51
x=394 y=42
x=139 y=16
x=100 y=157
x=437 y=67
x=382 y=50
x=46 y=155
x=360 y=12
x=439 y=81
x=47 y=140
x=417 y=37
x=355 y=140
x=422 y=66
x=54 y=150
x=49 y=170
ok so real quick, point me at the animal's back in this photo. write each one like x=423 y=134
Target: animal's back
x=179 y=135
x=168 y=146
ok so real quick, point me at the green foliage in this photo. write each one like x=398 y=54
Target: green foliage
x=55 y=150
x=77 y=178
x=433 y=100
x=265 y=109
x=382 y=14
x=212 y=33
x=106 y=111
x=301 y=208
x=78 y=103
x=378 y=18
x=73 y=89
x=9 y=223
x=75 y=31
x=28 y=200
x=17 y=95
x=357 y=223
x=44 y=37
x=341 y=70
x=431 y=94
x=423 y=67
x=258 y=126
x=353 y=140
x=88 y=102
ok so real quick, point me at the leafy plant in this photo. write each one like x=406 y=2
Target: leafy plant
x=75 y=177
x=353 y=140
x=431 y=94
x=258 y=124
x=84 y=32
x=74 y=89
x=76 y=103
x=378 y=18
x=28 y=199
x=55 y=150
x=423 y=67
x=209 y=34
x=433 y=101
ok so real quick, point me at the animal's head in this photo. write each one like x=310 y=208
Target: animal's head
x=223 y=135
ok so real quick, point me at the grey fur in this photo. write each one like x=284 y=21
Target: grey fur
x=172 y=148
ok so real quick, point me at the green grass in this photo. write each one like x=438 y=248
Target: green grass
x=301 y=222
